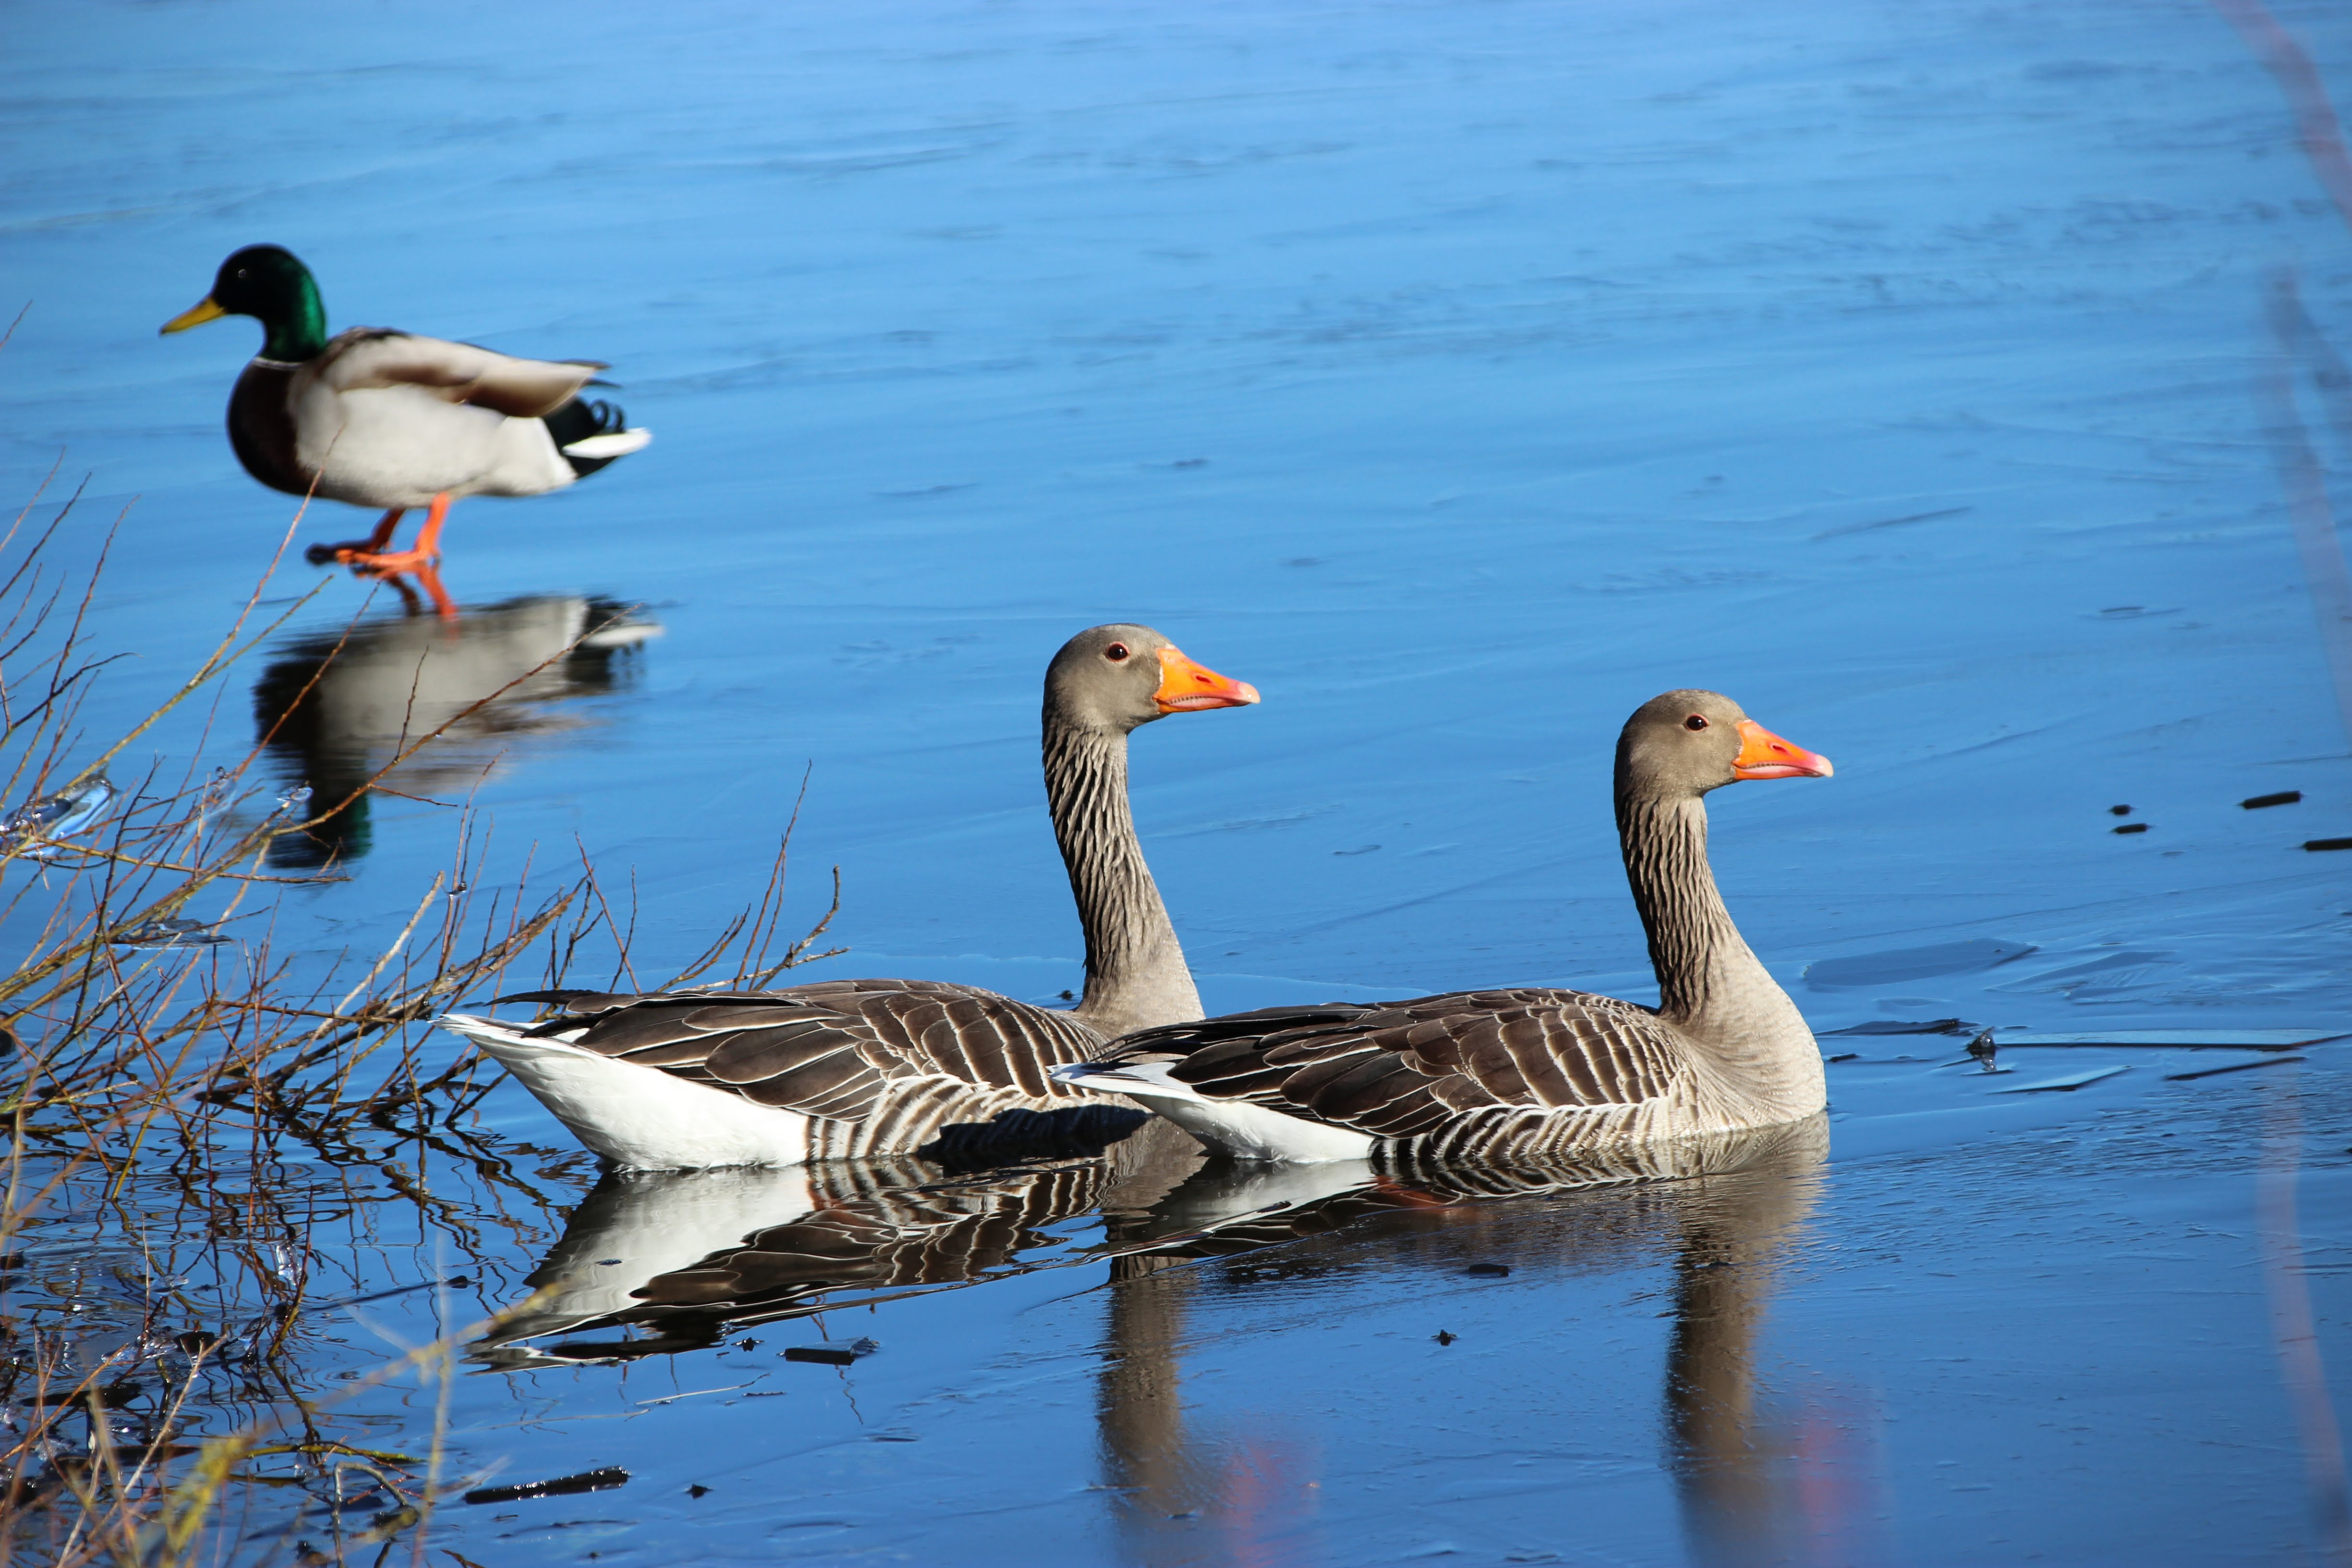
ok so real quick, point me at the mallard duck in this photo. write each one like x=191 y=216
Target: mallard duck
x=385 y=418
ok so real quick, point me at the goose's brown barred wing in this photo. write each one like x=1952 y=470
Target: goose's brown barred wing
x=1394 y=1069
x=830 y=1049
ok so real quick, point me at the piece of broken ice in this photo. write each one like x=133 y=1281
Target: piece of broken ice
x=169 y=930
x=69 y=811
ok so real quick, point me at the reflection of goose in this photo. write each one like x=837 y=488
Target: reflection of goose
x=683 y=1255
x=686 y=1254
x=336 y=706
x=1181 y=1490
x=1734 y=1470
x=844 y=1067
x=382 y=418
x=658 y=1263
x=1524 y=1073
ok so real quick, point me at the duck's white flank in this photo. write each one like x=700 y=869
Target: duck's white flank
x=1234 y=1127
x=640 y=1117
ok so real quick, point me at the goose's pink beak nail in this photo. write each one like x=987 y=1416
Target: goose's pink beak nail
x=1186 y=686
x=1764 y=755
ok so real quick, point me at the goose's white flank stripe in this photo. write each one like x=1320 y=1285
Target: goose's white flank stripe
x=639 y=1117
x=1234 y=1127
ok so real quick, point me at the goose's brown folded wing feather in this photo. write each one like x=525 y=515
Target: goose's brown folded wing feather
x=830 y=1049
x=1394 y=1069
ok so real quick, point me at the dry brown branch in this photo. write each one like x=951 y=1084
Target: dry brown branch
x=211 y=1106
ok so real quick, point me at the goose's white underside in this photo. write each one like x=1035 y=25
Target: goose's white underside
x=641 y=1117
x=1230 y=1127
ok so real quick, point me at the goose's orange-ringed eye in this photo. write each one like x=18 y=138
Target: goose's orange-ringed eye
x=1116 y=652
x=1695 y=721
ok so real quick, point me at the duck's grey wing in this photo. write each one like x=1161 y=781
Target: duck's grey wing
x=1394 y=1069
x=832 y=1048
x=367 y=357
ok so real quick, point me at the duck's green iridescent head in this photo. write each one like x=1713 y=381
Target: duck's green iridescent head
x=269 y=284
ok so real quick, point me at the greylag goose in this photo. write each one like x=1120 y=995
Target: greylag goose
x=385 y=418
x=1525 y=1073
x=692 y=1079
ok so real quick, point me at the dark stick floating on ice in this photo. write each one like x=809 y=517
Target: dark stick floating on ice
x=605 y=1479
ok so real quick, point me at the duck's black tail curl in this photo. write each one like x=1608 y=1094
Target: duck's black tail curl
x=579 y=420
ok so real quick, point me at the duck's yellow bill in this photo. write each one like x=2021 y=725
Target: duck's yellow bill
x=196 y=315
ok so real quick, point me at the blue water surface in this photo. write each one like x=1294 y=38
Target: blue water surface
x=1460 y=376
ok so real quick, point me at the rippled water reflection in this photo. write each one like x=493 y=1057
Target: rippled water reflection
x=458 y=696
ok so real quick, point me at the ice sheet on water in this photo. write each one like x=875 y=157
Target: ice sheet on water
x=1912 y=963
x=170 y=930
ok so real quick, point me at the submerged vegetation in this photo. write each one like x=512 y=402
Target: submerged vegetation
x=217 y=1140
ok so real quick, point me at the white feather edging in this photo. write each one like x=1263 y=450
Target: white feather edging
x=614 y=444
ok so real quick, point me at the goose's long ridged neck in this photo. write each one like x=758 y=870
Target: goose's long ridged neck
x=1136 y=974
x=1711 y=985
x=1664 y=843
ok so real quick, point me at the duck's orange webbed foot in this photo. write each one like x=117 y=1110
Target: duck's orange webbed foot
x=334 y=555
x=370 y=554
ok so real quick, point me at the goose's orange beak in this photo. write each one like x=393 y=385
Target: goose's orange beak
x=1186 y=686
x=1764 y=755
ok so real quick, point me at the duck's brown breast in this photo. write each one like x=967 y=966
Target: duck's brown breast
x=261 y=427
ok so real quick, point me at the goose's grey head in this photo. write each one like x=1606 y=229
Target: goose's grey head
x=1119 y=676
x=1685 y=743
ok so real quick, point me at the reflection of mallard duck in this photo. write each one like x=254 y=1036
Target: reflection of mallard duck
x=1527 y=1073
x=335 y=706
x=385 y=418
x=837 y=1068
